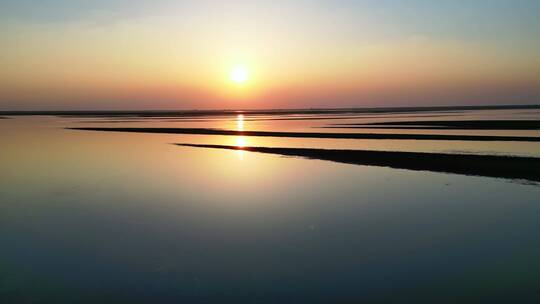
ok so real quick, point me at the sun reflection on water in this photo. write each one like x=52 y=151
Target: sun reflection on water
x=240 y=122
x=241 y=141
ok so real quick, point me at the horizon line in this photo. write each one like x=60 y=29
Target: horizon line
x=276 y=110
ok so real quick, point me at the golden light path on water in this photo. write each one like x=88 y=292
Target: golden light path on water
x=241 y=141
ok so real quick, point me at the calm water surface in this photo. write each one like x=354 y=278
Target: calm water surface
x=126 y=217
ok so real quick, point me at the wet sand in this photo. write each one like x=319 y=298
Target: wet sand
x=521 y=168
x=451 y=124
x=206 y=131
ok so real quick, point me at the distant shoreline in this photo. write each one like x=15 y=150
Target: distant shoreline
x=194 y=112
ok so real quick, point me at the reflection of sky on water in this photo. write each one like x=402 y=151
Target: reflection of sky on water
x=84 y=212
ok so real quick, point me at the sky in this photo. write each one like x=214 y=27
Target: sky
x=133 y=54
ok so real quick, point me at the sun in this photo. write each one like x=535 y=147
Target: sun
x=239 y=74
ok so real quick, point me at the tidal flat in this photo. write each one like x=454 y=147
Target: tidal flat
x=252 y=212
x=525 y=168
x=203 y=131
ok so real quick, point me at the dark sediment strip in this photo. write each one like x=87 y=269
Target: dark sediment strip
x=246 y=118
x=110 y=121
x=524 y=168
x=205 y=131
x=452 y=124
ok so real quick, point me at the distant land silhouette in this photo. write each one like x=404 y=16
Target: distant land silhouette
x=194 y=113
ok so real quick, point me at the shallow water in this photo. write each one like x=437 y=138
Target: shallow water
x=316 y=123
x=128 y=217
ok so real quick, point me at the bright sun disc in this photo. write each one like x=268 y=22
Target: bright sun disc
x=239 y=74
